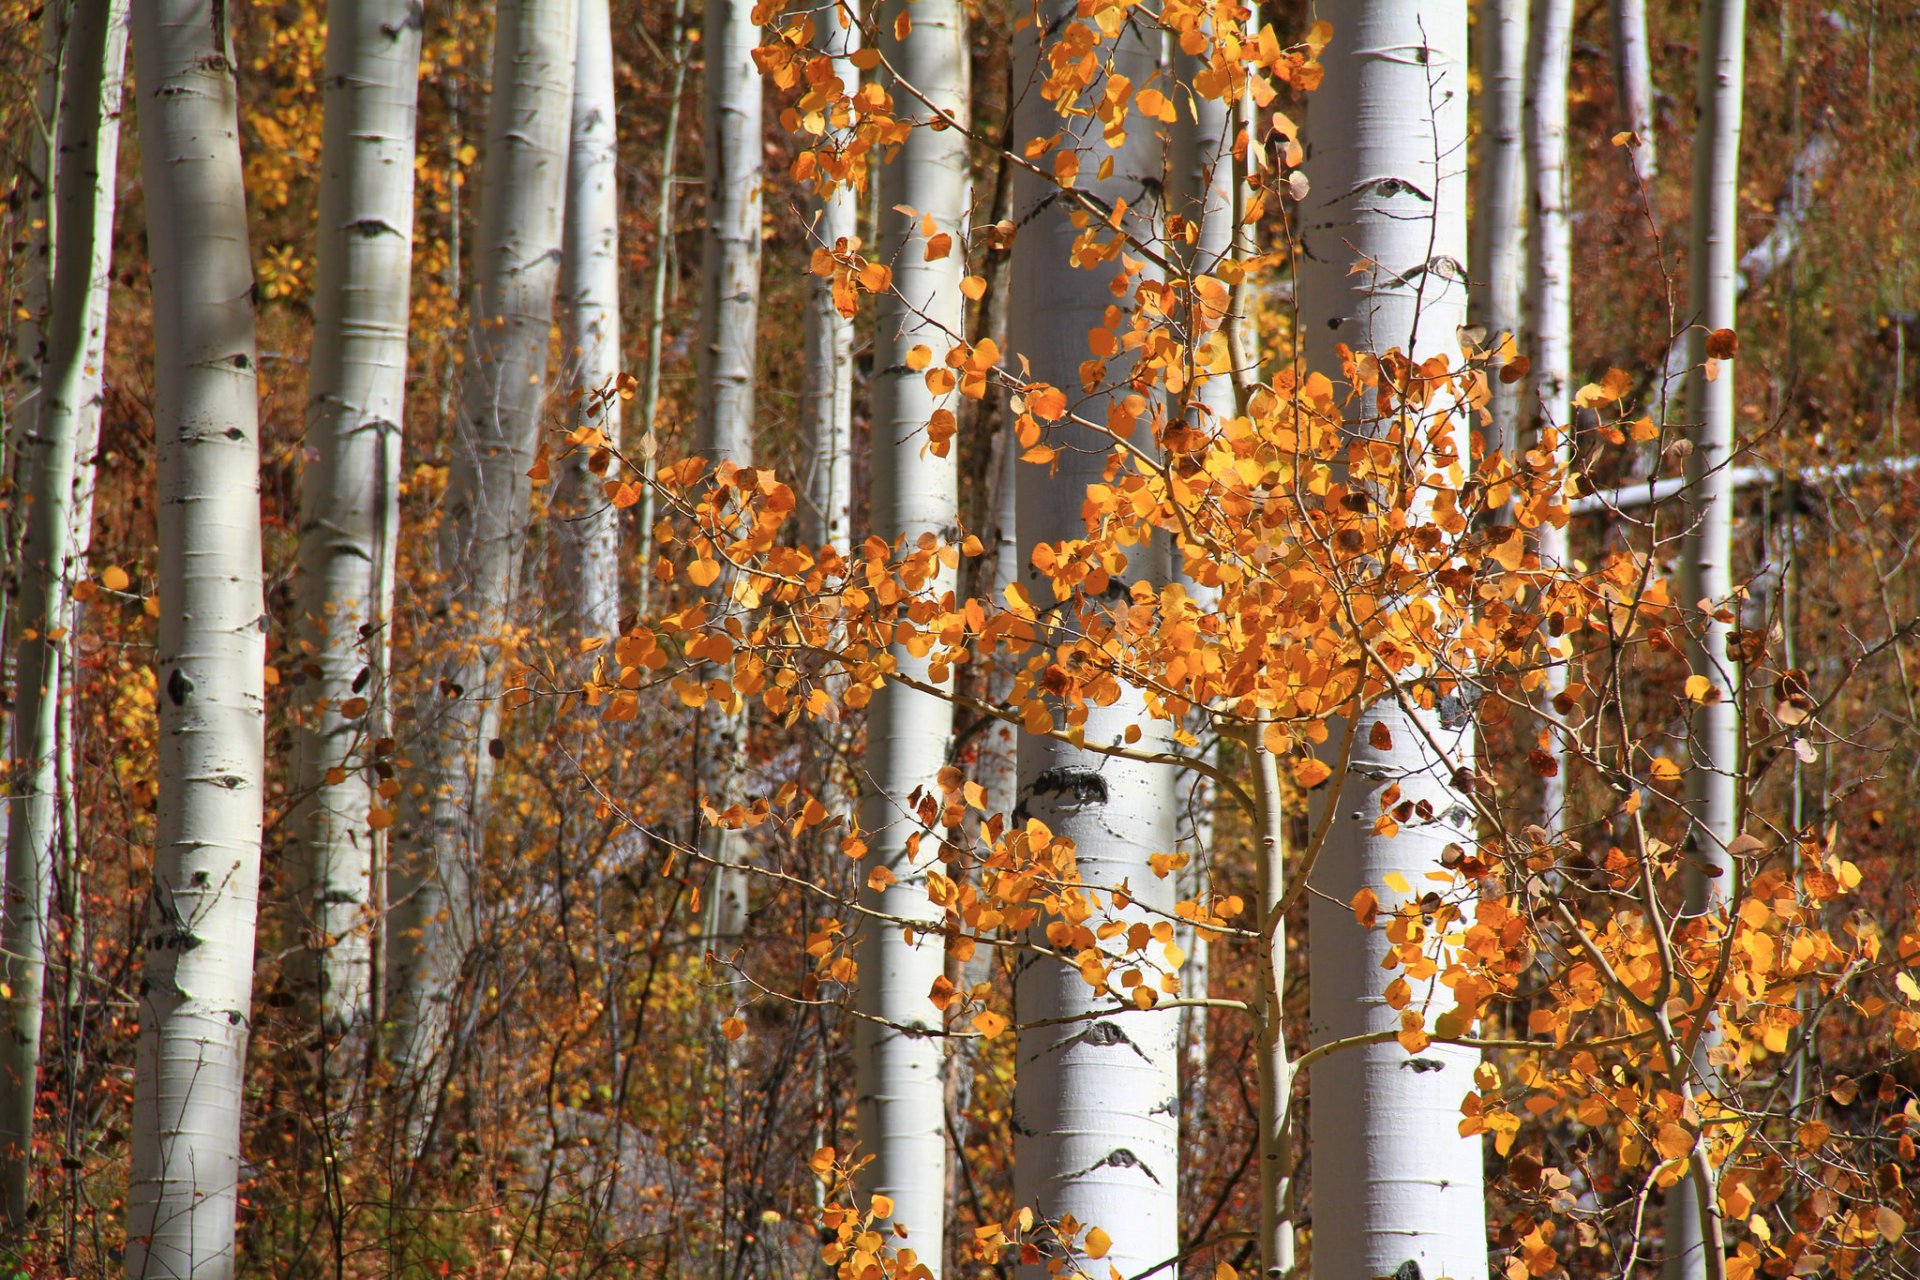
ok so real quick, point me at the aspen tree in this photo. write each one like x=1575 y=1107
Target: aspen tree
x=726 y=367
x=54 y=451
x=349 y=492
x=826 y=399
x=1096 y=1105
x=914 y=499
x=1500 y=212
x=1393 y=1181
x=503 y=387
x=1693 y=1247
x=1633 y=82
x=1550 y=304
x=197 y=979
x=590 y=329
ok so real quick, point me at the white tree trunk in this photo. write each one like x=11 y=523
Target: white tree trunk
x=826 y=400
x=198 y=973
x=350 y=491
x=1393 y=1181
x=657 y=301
x=56 y=442
x=1550 y=303
x=1200 y=189
x=590 y=310
x=1096 y=1105
x=1633 y=81
x=1712 y=790
x=484 y=515
x=914 y=493
x=1500 y=215
x=729 y=347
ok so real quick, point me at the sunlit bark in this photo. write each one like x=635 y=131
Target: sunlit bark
x=1393 y=1181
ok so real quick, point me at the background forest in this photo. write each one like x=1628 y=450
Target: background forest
x=960 y=638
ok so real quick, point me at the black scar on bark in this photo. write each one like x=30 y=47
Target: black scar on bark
x=1083 y=786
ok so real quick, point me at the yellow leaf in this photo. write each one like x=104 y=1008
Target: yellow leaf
x=379 y=819
x=1665 y=770
x=1366 y=905
x=1672 y=1142
x=733 y=1028
x=114 y=578
x=1701 y=690
x=1398 y=883
x=1310 y=772
x=988 y=1023
x=881 y=1206
x=1098 y=1242
x=919 y=357
x=1908 y=987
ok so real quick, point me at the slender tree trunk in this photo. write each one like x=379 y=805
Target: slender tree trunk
x=1713 y=778
x=1200 y=188
x=1633 y=82
x=55 y=443
x=826 y=400
x=729 y=348
x=590 y=310
x=1550 y=307
x=1500 y=221
x=198 y=975
x=1274 y=1064
x=1096 y=1104
x=914 y=495
x=1398 y=1183
x=349 y=493
x=483 y=522
x=657 y=302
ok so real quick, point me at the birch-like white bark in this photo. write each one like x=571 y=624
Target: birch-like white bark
x=729 y=349
x=589 y=527
x=1096 y=1103
x=350 y=492
x=914 y=494
x=1200 y=190
x=28 y=315
x=55 y=444
x=657 y=300
x=1393 y=1181
x=1550 y=305
x=1500 y=214
x=826 y=398
x=1713 y=778
x=197 y=979
x=503 y=389
x=1633 y=82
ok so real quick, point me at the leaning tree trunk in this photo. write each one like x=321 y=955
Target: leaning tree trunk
x=826 y=399
x=589 y=527
x=350 y=495
x=915 y=494
x=1393 y=1181
x=1712 y=788
x=1633 y=82
x=1096 y=1106
x=1550 y=311
x=1500 y=210
x=198 y=934
x=729 y=326
x=55 y=442
x=483 y=522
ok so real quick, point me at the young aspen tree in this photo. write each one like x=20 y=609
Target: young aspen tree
x=729 y=347
x=196 y=983
x=1500 y=214
x=826 y=400
x=55 y=444
x=589 y=525
x=1096 y=1104
x=350 y=492
x=1201 y=195
x=915 y=499
x=1550 y=308
x=1393 y=1181
x=1713 y=787
x=1633 y=82
x=503 y=389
